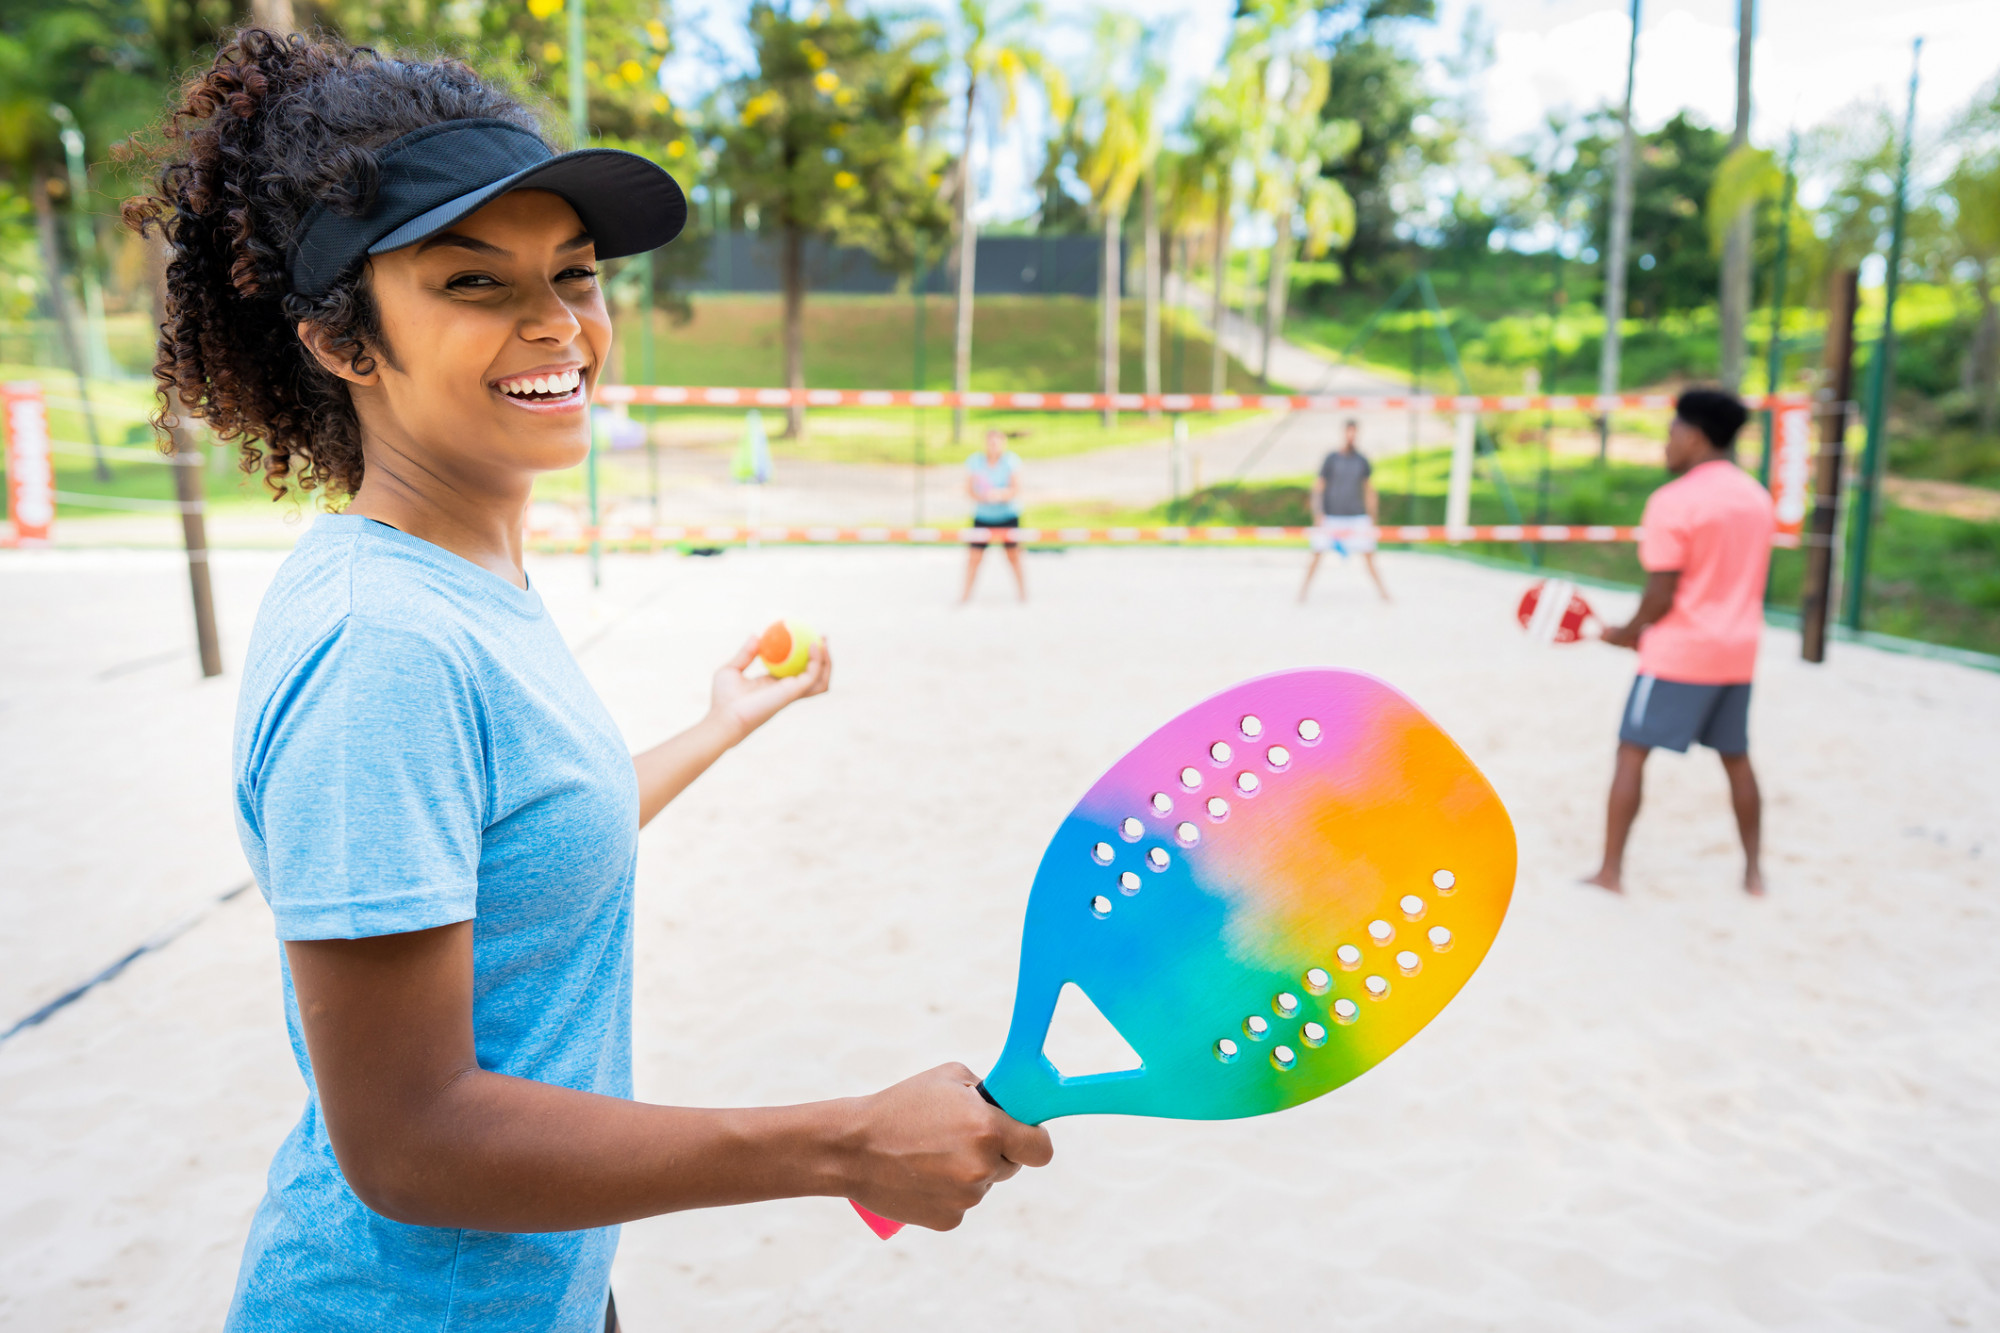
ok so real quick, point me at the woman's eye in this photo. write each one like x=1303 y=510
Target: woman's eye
x=471 y=282
x=577 y=275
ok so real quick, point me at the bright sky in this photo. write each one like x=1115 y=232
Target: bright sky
x=1812 y=58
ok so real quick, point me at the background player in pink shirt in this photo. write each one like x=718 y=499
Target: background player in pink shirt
x=1706 y=548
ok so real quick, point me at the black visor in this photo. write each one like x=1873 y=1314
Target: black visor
x=435 y=176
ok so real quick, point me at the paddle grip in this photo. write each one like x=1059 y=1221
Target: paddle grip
x=883 y=1226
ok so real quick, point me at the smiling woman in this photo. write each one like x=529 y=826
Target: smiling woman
x=382 y=281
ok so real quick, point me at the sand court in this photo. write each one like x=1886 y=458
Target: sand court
x=1679 y=1110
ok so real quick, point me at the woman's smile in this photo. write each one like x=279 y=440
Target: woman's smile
x=546 y=388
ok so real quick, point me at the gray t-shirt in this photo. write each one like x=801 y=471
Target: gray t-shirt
x=1343 y=479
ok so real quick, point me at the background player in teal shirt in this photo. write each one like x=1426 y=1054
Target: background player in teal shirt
x=993 y=481
x=384 y=282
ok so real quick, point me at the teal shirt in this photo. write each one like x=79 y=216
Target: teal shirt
x=415 y=746
x=994 y=477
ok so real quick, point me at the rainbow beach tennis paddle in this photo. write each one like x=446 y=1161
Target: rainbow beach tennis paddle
x=1266 y=898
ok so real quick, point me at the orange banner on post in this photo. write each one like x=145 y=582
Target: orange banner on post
x=1791 y=463
x=31 y=478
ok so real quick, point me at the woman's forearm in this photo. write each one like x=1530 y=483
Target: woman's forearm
x=493 y=1153
x=666 y=770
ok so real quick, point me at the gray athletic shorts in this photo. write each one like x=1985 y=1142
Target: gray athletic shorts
x=1672 y=715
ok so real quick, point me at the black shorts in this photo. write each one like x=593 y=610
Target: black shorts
x=1014 y=522
x=1673 y=714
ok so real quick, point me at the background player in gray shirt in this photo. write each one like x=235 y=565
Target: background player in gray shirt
x=1344 y=508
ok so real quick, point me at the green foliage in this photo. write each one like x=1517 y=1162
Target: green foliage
x=1673 y=265
x=1377 y=83
x=825 y=135
x=525 y=46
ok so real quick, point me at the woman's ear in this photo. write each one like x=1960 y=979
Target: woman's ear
x=320 y=347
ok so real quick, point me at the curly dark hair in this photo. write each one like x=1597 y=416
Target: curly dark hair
x=275 y=125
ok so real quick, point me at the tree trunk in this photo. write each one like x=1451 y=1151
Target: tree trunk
x=1218 y=370
x=1736 y=246
x=1275 y=293
x=45 y=232
x=968 y=244
x=1986 y=354
x=1152 y=225
x=1109 y=350
x=792 y=270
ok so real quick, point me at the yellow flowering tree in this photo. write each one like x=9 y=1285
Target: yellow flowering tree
x=831 y=135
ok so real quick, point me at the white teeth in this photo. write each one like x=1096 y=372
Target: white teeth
x=556 y=385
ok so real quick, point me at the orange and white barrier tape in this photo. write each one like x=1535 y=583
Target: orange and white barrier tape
x=724 y=535
x=663 y=395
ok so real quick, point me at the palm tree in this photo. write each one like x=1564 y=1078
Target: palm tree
x=1117 y=139
x=1292 y=147
x=1218 y=131
x=998 y=54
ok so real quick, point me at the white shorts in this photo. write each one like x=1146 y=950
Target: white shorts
x=1349 y=534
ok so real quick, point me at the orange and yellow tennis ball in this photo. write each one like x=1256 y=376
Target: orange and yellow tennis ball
x=786 y=647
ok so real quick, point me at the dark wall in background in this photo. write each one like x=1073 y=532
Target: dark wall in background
x=740 y=261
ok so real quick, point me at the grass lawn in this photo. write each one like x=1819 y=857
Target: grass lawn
x=1932 y=578
x=1022 y=344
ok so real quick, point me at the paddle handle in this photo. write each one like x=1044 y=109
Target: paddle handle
x=884 y=1227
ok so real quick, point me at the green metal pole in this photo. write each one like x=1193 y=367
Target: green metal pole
x=579 y=121
x=1775 y=360
x=1881 y=376
x=917 y=377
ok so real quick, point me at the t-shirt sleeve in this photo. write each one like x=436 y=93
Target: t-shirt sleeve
x=368 y=787
x=1663 y=544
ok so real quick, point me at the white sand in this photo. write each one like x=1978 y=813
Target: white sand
x=1680 y=1110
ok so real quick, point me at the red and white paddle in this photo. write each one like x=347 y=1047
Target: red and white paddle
x=1553 y=611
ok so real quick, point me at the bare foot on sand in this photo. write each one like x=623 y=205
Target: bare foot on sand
x=1753 y=882
x=1604 y=879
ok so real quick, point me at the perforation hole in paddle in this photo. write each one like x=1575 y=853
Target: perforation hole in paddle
x=1440 y=938
x=1100 y=906
x=1251 y=726
x=1285 y=1004
x=1102 y=853
x=1220 y=752
x=1130 y=829
x=1256 y=1027
x=1413 y=906
x=1283 y=1057
x=1345 y=1010
x=1186 y=834
x=1444 y=881
x=1278 y=756
x=1408 y=963
x=1309 y=731
x=1157 y=859
x=1312 y=1034
x=1218 y=808
x=1163 y=804
x=1381 y=932
x=1190 y=779
x=1246 y=782
x=1128 y=883
x=1317 y=980
x=1376 y=987
x=1349 y=956
x=1225 y=1050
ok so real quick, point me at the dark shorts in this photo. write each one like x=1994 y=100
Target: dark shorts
x=1014 y=522
x=1672 y=715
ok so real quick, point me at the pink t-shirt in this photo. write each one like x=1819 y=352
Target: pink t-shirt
x=1714 y=525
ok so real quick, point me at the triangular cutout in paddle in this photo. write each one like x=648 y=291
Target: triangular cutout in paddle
x=1082 y=1041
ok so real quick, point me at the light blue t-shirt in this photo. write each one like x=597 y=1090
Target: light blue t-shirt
x=416 y=746
x=994 y=477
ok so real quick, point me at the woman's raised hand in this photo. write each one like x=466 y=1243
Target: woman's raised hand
x=743 y=702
